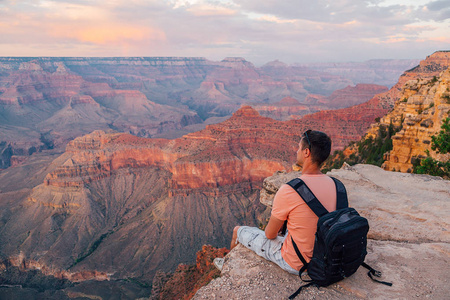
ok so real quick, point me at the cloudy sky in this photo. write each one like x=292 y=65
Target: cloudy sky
x=258 y=30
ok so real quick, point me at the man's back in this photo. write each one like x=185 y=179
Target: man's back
x=302 y=222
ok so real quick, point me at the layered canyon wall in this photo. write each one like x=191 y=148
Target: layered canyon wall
x=46 y=102
x=421 y=105
x=110 y=193
x=412 y=111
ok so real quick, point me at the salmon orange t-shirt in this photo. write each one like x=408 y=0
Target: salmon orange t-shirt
x=302 y=222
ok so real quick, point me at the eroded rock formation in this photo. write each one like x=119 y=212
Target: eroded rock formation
x=187 y=279
x=424 y=104
x=46 y=102
x=110 y=193
x=421 y=104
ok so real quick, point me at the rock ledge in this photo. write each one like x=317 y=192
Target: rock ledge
x=408 y=242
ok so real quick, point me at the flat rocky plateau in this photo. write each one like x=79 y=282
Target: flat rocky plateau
x=408 y=243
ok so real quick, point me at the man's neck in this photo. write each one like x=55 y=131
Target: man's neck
x=310 y=168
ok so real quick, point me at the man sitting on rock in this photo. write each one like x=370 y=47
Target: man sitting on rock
x=314 y=149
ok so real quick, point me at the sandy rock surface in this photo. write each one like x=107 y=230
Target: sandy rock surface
x=408 y=242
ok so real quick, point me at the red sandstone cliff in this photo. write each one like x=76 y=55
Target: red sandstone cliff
x=351 y=96
x=241 y=150
x=347 y=124
x=420 y=113
x=113 y=193
x=187 y=279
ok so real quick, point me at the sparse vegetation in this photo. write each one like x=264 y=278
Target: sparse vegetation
x=434 y=80
x=369 y=151
x=138 y=282
x=91 y=249
x=441 y=144
x=446 y=97
x=46 y=141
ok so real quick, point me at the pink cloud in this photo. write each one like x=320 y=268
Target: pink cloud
x=108 y=33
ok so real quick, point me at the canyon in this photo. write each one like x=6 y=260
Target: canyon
x=428 y=83
x=128 y=208
x=116 y=206
x=46 y=102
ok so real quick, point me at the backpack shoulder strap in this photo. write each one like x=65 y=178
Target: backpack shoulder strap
x=308 y=196
x=341 y=194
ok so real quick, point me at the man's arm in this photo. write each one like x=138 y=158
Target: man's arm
x=273 y=227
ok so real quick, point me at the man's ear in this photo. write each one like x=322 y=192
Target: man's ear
x=308 y=152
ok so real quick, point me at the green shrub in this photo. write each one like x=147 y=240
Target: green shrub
x=446 y=97
x=434 y=80
x=441 y=144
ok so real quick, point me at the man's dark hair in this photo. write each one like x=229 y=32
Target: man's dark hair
x=318 y=143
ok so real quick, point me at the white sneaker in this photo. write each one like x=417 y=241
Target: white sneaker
x=218 y=262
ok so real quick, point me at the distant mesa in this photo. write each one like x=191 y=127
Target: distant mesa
x=246 y=111
x=288 y=101
x=275 y=64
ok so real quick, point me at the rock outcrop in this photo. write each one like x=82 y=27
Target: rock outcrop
x=354 y=95
x=424 y=105
x=188 y=279
x=240 y=150
x=351 y=123
x=347 y=124
x=408 y=242
x=421 y=103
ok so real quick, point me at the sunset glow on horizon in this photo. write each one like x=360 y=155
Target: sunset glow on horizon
x=260 y=31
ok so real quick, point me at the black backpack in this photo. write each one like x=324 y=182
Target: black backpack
x=340 y=241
